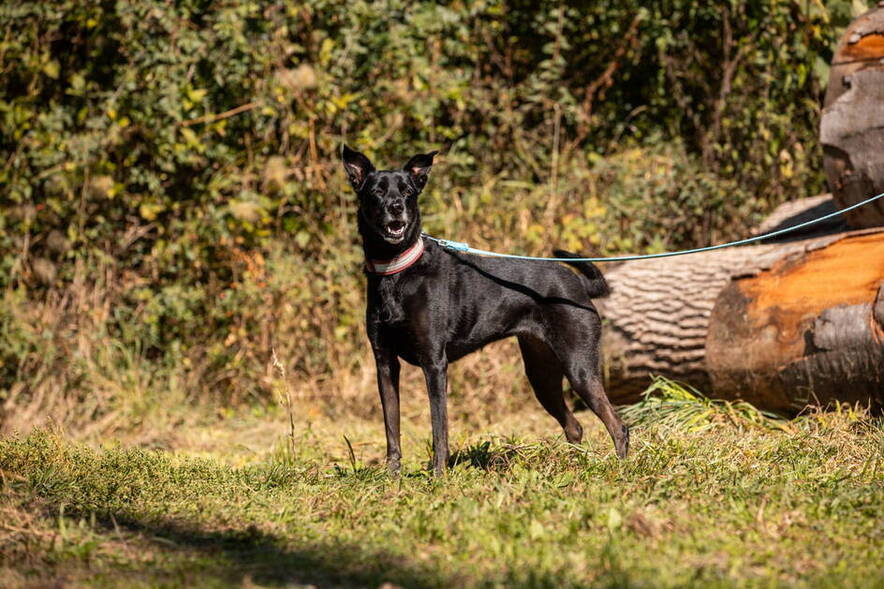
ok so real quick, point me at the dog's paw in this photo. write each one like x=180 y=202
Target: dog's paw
x=621 y=445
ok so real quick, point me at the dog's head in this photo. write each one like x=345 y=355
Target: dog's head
x=388 y=198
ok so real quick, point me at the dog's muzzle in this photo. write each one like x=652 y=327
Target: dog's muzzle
x=394 y=231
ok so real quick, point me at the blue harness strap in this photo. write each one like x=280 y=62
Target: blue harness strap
x=459 y=246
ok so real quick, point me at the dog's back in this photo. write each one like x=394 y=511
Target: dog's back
x=538 y=279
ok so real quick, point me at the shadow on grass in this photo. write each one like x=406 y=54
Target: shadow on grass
x=127 y=490
x=195 y=556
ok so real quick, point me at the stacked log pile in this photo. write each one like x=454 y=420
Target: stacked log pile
x=852 y=126
x=781 y=325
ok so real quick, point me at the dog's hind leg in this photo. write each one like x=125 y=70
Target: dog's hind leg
x=589 y=387
x=593 y=394
x=545 y=375
x=577 y=347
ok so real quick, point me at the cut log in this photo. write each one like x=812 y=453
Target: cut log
x=780 y=325
x=795 y=212
x=852 y=124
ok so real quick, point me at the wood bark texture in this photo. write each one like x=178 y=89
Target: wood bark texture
x=780 y=325
x=852 y=124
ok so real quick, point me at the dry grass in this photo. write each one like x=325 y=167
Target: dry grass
x=71 y=361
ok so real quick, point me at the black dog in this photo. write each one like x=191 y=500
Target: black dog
x=431 y=306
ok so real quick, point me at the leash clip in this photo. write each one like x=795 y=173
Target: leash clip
x=457 y=246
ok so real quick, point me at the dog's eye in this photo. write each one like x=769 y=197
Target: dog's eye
x=407 y=193
x=378 y=192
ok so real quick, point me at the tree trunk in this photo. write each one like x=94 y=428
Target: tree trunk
x=852 y=124
x=780 y=325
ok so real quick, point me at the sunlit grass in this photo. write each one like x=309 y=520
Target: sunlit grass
x=740 y=503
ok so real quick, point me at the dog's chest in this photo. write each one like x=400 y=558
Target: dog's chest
x=400 y=338
x=385 y=302
x=404 y=318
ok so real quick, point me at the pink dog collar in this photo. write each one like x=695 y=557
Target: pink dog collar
x=404 y=260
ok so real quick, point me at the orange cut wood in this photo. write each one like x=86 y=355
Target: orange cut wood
x=847 y=272
x=769 y=332
x=868 y=47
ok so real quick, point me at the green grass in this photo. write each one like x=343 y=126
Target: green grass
x=738 y=503
x=670 y=403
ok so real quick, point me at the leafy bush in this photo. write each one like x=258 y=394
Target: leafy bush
x=180 y=159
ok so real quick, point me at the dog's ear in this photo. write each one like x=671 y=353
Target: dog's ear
x=419 y=168
x=357 y=166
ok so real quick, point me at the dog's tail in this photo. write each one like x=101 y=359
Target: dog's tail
x=597 y=286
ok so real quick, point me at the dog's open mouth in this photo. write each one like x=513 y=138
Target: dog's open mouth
x=394 y=230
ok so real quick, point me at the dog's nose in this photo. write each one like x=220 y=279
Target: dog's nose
x=396 y=208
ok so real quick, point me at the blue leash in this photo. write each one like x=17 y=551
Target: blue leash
x=459 y=246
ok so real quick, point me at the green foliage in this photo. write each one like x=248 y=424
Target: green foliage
x=178 y=160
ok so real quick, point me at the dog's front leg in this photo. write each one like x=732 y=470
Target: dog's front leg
x=388 y=385
x=436 y=374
